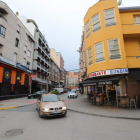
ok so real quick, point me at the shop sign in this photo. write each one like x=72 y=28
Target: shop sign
x=33 y=76
x=108 y=72
x=91 y=84
x=23 y=68
x=7 y=61
x=105 y=83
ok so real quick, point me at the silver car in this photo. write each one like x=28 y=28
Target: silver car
x=72 y=94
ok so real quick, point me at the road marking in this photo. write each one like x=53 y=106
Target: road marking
x=8 y=108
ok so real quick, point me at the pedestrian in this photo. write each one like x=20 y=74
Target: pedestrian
x=113 y=96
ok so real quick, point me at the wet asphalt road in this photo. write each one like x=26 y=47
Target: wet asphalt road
x=74 y=126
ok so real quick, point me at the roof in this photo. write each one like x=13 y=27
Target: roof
x=129 y=8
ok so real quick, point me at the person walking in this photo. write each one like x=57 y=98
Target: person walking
x=113 y=96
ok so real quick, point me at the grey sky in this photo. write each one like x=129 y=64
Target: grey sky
x=61 y=21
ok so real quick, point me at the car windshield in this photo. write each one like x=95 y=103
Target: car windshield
x=50 y=98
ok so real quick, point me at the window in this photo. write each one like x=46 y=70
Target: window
x=2 y=31
x=24 y=61
x=110 y=17
x=17 y=42
x=99 y=52
x=28 y=64
x=26 y=37
x=137 y=20
x=87 y=29
x=114 y=50
x=89 y=56
x=18 y=28
x=15 y=57
x=96 y=23
x=25 y=49
x=29 y=53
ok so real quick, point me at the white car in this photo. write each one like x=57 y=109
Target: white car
x=72 y=94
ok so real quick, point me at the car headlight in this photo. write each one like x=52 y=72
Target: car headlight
x=64 y=107
x=45 y=109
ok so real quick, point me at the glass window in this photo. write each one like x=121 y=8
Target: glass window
x=16 y=42
x=87 y=29
x=137 y=20
x=89 y=56
x=25 y=49
x=99 y=52
x=114 y=50
x=26 y=37
x=2 y=31
x=96 y=23
x=110 y=17
x=18 y=28
x=28 y=64
x=50 y=98
x=29 y=53
x=15 y=57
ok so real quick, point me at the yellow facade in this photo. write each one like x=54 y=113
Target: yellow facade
x=127 y=33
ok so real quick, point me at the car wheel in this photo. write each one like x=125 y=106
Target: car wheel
x=39 y=113
x=32 y=97
x=75 y=96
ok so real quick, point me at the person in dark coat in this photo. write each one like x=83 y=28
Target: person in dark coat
x=113 y=96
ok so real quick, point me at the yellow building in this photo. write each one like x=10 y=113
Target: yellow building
x=112 y=38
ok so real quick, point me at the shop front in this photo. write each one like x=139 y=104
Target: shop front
x=115 y=87
x=14 y=82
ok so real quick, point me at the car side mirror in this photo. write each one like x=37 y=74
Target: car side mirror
x=38 y=101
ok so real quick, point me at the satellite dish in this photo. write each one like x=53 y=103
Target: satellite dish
x=119 y=2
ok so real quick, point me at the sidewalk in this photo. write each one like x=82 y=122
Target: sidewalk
x=82 y=105
x=15 y=103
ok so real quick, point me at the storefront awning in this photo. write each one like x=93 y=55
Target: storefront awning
x=136 y=74
x=101 y=81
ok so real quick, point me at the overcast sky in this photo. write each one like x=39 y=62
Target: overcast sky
x=61 y=21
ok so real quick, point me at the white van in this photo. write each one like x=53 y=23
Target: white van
x=61 y=90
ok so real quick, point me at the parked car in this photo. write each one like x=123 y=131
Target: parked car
x=72 y=94
x=65 y=90
x=36 y=94
x=50 y=105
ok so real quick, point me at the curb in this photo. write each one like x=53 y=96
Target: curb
x=8 y=108
x=105 y=116
x=15 y=107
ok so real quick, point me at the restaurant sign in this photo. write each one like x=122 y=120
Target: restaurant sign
x=108 y=72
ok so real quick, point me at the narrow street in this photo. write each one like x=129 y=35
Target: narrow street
x=75 y=126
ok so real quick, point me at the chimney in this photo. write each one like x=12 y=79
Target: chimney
x=17 y=13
